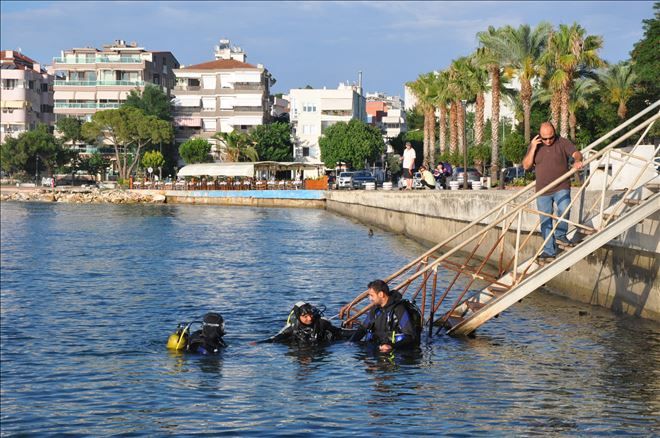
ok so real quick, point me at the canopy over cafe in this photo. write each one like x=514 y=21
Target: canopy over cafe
x=260 y=170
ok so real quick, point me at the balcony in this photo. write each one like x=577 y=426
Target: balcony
x=188 y=111
x=88 y=105
x=248 y=109
x=247 y=86
x=187 y=87
x=188 y=122
x=99 y=83
x=98 y=60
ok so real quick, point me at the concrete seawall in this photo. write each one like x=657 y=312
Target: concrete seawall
x=622 y=276
x=248 y=198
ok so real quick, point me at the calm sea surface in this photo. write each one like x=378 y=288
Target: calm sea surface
x=90 y=294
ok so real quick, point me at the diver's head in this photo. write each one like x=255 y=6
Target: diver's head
x=213 y=325
x=306 y=313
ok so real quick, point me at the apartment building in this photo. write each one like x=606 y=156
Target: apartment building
x=223 y=95
x=312 y=111
x=386 y=113
x=89 y=80
x=27 y=94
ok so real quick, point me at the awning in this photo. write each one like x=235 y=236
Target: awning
x=110 y=95
x=85 y=95
x=243 y=169
x=13 y=104
x=63 y=95
x=218 y=169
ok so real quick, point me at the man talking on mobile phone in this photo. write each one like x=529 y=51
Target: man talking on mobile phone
x=549 y=154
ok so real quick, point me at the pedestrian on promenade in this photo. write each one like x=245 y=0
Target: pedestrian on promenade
x=428 y=180
x=439 y=175
x=549 y=154
x=408 y=158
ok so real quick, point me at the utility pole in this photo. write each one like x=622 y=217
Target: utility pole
x=465 y=154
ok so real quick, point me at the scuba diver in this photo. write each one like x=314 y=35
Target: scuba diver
x=206 y=340
x=306 y=326
x=392 y=323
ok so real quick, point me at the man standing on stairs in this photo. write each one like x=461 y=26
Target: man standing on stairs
x=549 y=154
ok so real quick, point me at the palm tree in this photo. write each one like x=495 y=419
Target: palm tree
x=442 y=100
x=572 y=52
x=237 y=146
x=493 y=47
x=523 y=60
x=582 y=88
x=424 y=88
x=480 y=86
x=618 y=82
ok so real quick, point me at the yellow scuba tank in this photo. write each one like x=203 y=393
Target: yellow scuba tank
x=178 y=339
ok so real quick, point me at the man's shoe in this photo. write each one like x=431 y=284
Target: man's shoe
x=545 y=258
x=566 y=243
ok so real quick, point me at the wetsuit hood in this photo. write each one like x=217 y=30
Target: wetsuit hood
x=394 y=299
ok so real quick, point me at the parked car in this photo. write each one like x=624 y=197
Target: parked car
x=363 y=176
x=345 y=180
x=473 y=175
x=513 y=172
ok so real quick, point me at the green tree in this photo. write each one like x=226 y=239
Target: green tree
x=618 y=84
x=646 y=63
x=479 y=155
x=582 y=88
x=152 y=101
x=153 y=159
x=94 y=164
x=425 y=90
x=195 y=150
x=236 y=146
x=493 y=48
x=414 y=118
x=129 y=131
x=71 y=129
x=514 y=147
x=354 y=142
x=523 y=60
x=33 y=151
x=273 y=141
x=572 y=53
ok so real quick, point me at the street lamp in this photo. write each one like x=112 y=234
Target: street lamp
x=465 y=169
x=36 y=172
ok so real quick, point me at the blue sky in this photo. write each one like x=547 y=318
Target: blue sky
x=316 y=43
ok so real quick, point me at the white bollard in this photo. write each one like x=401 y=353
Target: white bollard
x=387 y=186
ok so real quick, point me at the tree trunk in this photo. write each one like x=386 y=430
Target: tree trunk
x=460 y=123
x=572 y=121
x=426 y=135
x=495 y=122
x=479 y=120
x=565 y=93
x=555 y=105
x=622 y=110
x=431 y=151
x=443 y=128
x=452 y=127
x=526 y=98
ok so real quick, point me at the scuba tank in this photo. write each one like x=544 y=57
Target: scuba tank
x=179 y=339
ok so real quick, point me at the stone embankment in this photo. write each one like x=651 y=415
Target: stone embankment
x=84 y=196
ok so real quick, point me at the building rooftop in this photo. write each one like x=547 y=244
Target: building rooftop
x=220 y=64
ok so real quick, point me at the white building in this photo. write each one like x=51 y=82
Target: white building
x=314 y=110
x=223 y=95
x=387 y=114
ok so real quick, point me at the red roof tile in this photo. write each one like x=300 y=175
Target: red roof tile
x=220 y=64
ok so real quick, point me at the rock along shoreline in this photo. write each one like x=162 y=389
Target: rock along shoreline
x=81 y=196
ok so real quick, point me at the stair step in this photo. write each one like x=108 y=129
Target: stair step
x=608 y=216
x=496 y=290
x=654 y=187
x=453 y=321
x=629 y=201
x=474 y=306
x=587 y=232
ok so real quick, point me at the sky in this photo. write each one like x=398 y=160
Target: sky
x=309 y=43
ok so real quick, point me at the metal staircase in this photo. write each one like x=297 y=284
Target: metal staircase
x=493 y=262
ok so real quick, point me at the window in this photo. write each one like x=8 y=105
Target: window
x=308 y=129
x=309 y=107
x=44 y=87
x=9 y=84
x=305 y=151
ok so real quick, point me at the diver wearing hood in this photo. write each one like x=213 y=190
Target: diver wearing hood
x=206 y=340
x=307 y=326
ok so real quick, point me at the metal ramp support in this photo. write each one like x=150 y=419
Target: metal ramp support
x=493 y=262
